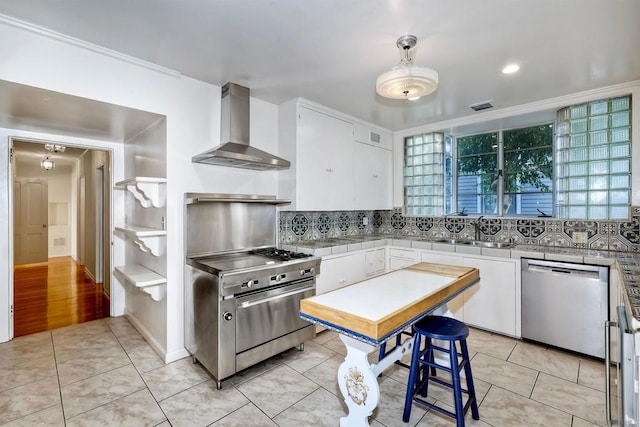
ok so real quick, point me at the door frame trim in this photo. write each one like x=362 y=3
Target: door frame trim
x=114 y=300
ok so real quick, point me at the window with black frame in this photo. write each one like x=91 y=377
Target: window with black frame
x=507 y=172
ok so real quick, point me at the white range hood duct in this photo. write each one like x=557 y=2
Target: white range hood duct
x=235 y=150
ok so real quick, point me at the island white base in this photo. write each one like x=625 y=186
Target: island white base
x=358 y=379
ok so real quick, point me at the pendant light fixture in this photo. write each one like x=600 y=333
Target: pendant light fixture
x=405 y=80
x=47 y=164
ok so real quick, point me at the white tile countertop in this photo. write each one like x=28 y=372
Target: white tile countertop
x=628 y=263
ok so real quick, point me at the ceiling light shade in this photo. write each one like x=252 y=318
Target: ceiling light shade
x=47 y=164
x=405 y=80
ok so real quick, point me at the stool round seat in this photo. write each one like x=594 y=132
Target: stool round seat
x=442 y=328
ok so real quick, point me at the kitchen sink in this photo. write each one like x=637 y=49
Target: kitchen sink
x=453 y=241
x=480 y=243
x=496 y=245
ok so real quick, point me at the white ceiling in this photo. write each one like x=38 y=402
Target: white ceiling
x=331 y=51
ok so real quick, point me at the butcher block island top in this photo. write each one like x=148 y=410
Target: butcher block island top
x=375 y=309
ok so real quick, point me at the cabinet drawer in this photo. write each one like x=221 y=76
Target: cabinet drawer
x=407 y=254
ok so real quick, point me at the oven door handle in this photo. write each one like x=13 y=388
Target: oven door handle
x=250 y=303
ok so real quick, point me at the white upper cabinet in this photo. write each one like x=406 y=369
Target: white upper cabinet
x=372 y=177
x=329 y=169
x=325 y=156
x=320 y=148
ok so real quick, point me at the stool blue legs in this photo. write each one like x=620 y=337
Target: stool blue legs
x=423 y=366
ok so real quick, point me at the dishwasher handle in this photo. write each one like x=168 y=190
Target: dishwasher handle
x=550 y=267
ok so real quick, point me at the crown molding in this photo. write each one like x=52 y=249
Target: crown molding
x=54 y=35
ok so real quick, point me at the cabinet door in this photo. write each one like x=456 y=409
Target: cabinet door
x=374 y=261
x=491 y=304
x=372 y=177
x=456 y=305
x=340 y=271
x=325 y=155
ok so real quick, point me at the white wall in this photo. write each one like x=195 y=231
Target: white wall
x=60 y=215
x=146 y=155
x=192 y=110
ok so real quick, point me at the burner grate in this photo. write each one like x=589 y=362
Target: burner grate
x=279 y=254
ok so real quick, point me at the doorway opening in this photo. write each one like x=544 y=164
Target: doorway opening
x=61 y=243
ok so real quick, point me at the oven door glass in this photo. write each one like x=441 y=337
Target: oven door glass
x=263 y=316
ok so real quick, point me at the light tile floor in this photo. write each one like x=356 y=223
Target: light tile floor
x=104 y=373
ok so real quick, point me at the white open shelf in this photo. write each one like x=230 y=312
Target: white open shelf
x=149 y=281
x=147 y=239
x=146 y=190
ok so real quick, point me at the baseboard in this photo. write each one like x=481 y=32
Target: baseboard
x=90 y=274
x=168 y=357
x=155 y=345
x=106 y=303
x=176 y=355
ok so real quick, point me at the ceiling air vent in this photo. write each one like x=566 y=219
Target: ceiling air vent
x=481 y=106
x=374 y=137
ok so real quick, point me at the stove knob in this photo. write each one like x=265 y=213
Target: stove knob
x=227 y=316
x=250 y=283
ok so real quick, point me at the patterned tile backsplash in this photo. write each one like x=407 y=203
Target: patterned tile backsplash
x=602 y=235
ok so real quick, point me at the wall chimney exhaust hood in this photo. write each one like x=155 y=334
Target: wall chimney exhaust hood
x=235 y=150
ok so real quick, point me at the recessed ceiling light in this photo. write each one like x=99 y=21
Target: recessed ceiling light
x=510 y=69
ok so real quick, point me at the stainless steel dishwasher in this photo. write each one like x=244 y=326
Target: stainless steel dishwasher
x=565 y=304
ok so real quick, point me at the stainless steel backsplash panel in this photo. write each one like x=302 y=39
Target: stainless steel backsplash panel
x=229 y=226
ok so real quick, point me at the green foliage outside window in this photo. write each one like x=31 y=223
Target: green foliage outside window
x=528 y=164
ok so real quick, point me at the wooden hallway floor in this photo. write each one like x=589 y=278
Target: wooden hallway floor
x=54 y=294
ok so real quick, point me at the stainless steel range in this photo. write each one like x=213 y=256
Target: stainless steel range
x=242 y=294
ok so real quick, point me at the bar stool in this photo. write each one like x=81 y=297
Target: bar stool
x=423 y=367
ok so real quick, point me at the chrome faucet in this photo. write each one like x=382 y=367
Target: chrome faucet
x=476 y=226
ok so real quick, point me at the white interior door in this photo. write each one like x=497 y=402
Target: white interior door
x=30 y=221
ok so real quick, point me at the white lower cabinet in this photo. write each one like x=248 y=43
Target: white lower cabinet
x=341 y=270
x=375 y=261
x=490 y=304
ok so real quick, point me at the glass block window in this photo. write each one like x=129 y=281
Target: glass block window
x=423 y=174
x=593 y=160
